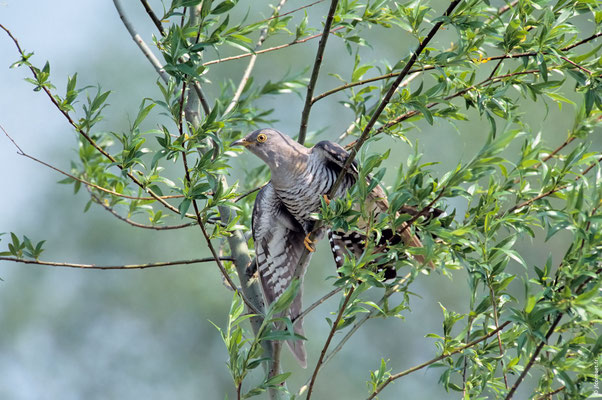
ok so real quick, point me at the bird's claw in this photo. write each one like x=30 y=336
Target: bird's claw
x=326 y=199
x=307 y=242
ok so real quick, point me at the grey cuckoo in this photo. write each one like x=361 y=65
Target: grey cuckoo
x=281 y=220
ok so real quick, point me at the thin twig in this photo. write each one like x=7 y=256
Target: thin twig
x=197 y=213
x=369 y=80
x=317 y=303
x=140 y=42
x=497 y=66
x=153 y=17
x=553 y=190
x=436 y=359
x=282 y=46
x=465 y=362
x=333 y=329
x=316 y=71
x=406 y=81
x=583 y=41
x=293 y=11
x=424 y=211
x=533 y=358
x=247 y=74
x=499 y=335
x=557 y=149
x=250 y=192
x=548 y=396
x=505 y=8
x=356 y=326
x=99 y=201
x=127 y=266
x=202 y=98
x=577 y=65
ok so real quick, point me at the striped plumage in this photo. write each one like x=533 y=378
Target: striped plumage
x=281 y=215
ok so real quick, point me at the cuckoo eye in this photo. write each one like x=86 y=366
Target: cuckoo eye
x=262 y=137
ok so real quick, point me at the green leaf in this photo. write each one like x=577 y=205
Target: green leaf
x=142 y=114
x=285 y=300
x=277 y=380
x=530 y=304
x=184 y=206
x=223 y=7
x=588 y=296
x=359 y=72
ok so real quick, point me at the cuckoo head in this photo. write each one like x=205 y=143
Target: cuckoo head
x=275 y=148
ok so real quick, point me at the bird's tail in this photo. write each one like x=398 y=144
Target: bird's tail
x=297 y=346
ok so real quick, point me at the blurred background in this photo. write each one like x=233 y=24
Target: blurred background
x=74 y=334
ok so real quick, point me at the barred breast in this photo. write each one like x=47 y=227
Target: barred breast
x=303 y=196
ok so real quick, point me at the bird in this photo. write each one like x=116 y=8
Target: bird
x=282 y=221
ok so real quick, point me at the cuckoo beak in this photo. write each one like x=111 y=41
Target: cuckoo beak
x=240 y=142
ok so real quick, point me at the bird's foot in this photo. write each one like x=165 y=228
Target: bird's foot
x=326 y=199
x=307 y=242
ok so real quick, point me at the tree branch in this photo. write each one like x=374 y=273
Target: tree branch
x=247 y=74
x=553 y=190
x=128 y=266
x=436 y=359
x=293 y=11
x=548 y=396
x=499 y=336
x=333 y=329
x=317 y=303
x=316 y=71
x=282 y=46
x=141 y=44
x=197 y=213
x=153 y=17
x=533 y=358
x=98 y=201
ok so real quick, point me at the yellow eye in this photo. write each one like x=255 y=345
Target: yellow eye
x=262 y=137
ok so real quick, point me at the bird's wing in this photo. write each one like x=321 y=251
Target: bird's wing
x=336 y=156
x=278 y=246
